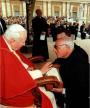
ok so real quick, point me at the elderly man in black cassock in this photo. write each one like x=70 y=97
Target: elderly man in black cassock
x=40 y=26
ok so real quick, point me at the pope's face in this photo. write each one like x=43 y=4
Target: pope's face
x=17 y=44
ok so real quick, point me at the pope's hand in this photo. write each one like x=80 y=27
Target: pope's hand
x=46 y=67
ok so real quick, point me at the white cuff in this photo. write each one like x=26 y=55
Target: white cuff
x=35 y=74
x=54 y=72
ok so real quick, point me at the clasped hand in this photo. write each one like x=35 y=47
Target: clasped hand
x=46 y=67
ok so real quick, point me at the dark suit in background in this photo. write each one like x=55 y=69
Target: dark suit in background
x=74 y=71
x=2 y=26
x=82 y=31
x=40 y=47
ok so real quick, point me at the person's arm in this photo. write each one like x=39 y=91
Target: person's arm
x=39 y=73
x=57 y=62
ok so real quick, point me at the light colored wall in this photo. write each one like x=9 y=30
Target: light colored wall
x=65 y=7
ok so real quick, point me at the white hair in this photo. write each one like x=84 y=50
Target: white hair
x=69 y=43
x=13 y=31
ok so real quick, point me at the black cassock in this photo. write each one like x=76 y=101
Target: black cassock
x=74 y=72
x=40 y=47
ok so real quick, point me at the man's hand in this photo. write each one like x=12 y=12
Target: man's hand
x=46 y=67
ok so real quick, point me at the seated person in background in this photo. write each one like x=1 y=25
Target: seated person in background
x=74 y=70
x=17 y=83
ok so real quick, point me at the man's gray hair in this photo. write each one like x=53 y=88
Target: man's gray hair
x=13 y=31
x=69 y=42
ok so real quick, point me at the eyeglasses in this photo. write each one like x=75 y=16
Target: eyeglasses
x=59 y=46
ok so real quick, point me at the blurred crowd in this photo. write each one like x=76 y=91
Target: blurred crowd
x=54 y=23
x=12 y=20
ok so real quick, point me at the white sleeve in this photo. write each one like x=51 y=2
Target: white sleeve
x=35 y=74
x=54 y=72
